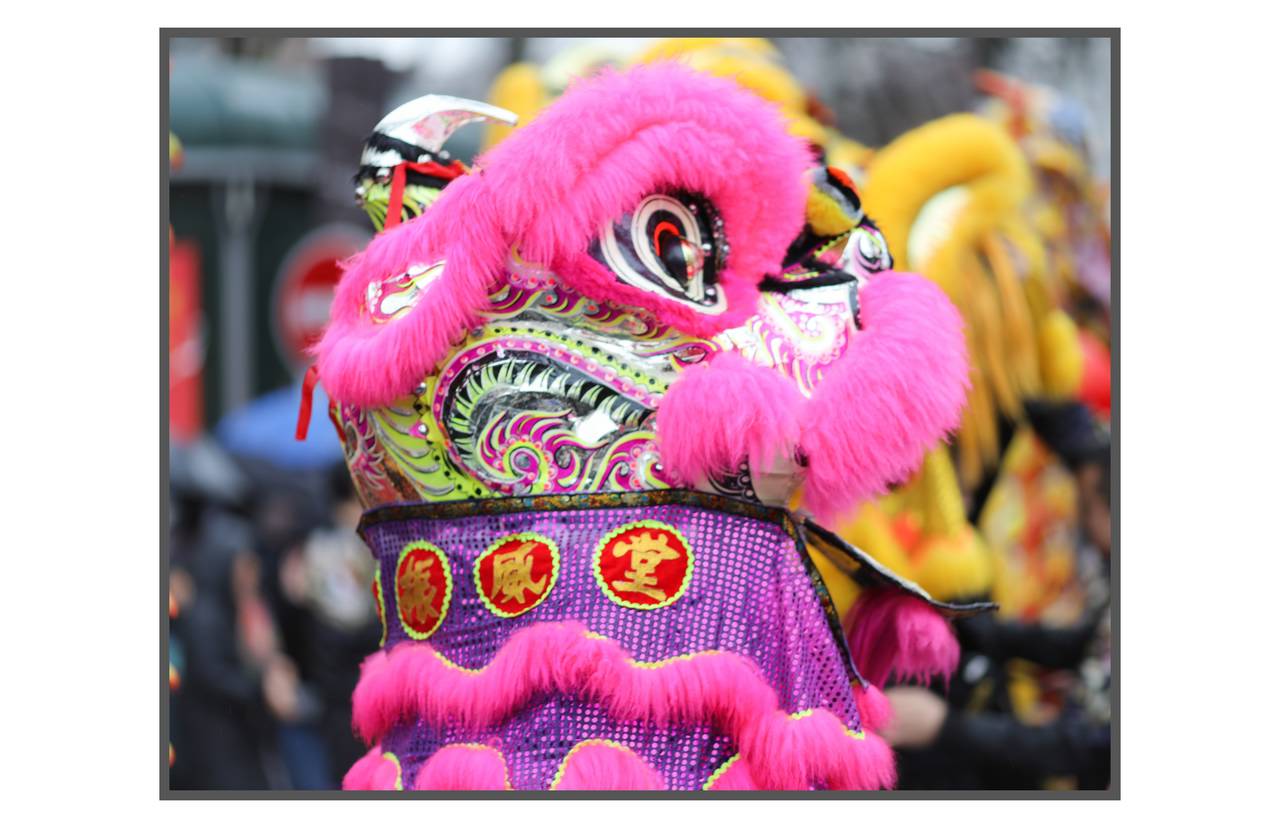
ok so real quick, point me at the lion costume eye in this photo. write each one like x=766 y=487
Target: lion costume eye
x=867 y=252
x=672 y=245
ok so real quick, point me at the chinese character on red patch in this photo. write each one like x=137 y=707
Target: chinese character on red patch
x=424 y=587
x=517 y=573
x=644 y=565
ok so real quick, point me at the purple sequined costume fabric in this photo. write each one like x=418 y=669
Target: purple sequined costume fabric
x=752 y=592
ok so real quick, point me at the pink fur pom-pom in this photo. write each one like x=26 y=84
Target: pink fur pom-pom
x=794 y=752
x=373 y=772
x=719 y=413
x=874 y=709
x=369 y=364
x=898 y=389
x=893 y=634
x=878 y=770
x=600 y=765
x=463 y=768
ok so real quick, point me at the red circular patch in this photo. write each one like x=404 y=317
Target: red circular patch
x=517 y=573
x=423 y=589
x=644 y=565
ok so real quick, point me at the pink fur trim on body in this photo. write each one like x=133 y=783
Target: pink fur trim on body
x=723 y=411
x=463 y=768
x=373 y=772
x=603 y=765
x=874 y=711
x=720 y=689
x=895 y=635
x=546 y=190
x=899 y=388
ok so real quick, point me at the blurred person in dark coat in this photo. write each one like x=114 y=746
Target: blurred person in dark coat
x=329 y=623
x=217 y=714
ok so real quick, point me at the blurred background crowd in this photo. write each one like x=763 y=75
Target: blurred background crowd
x=269 y=584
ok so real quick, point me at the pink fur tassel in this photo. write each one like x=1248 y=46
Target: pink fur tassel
x=463 y=768
x=602 y=765
x=722 y=412
x=898 y=389
x=874 y=711
x=811 y=748
x=373 y=772
x=545 y=192
x=892 y=634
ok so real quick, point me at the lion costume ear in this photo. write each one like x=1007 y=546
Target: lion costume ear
x=417 y=287
x=407 y=298
x=425 y=124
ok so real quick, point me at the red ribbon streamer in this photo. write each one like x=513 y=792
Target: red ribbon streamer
x=309 y=381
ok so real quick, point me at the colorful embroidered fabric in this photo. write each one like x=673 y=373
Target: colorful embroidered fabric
x=709 y=629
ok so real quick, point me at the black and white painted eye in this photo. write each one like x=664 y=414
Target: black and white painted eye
x=866 y=251
x=672 y=245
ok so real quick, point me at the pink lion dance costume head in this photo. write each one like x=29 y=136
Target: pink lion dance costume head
x=573 y=392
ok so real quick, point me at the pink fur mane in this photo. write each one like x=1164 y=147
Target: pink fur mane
x=545 y=192
x=897 y=390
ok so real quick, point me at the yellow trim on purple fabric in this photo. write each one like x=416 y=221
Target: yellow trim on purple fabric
x=804 y=714
x=720 y=771
x=395 y=760
x=444 y=659
x=381 y=600
x=500 y=542
x=655 y=665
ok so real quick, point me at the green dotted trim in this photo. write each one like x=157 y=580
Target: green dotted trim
x=448 y=588
x=493 y=547
x=859 y=735
x=555 y=780
x=720 y=771
x=647 y=524
x=380 y=598
x=395 y=760
x=658 y=665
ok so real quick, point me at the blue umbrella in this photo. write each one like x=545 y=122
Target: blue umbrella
x=264 y=430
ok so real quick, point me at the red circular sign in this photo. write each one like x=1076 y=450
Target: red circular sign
x=424 y=587
x=305 y=285
x=644 y=565
x=517 y=573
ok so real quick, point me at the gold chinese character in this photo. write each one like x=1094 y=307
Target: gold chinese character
x=513 y=575
x=417 y=593
x=646 y=551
